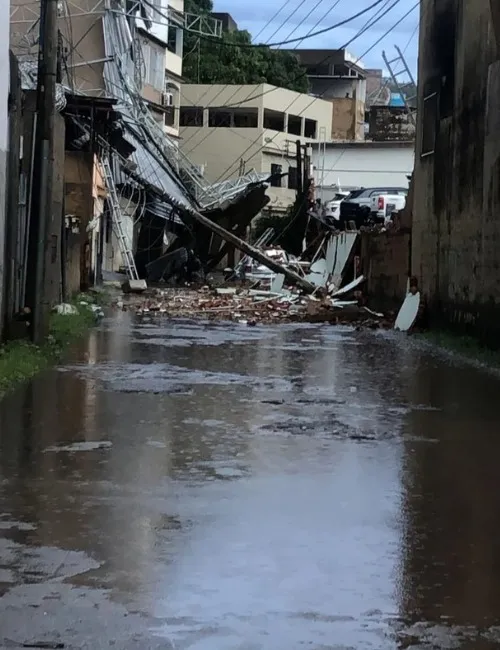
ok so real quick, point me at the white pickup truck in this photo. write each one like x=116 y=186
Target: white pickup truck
x=383 y=205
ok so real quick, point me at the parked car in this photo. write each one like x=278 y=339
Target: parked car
x=332 y=208
x=357 y=206
x=383 y=205
x=254 y=271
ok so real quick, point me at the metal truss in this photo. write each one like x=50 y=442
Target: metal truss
x=28 y=13
x=25 y=14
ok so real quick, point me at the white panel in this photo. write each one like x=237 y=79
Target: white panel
x=367 y=165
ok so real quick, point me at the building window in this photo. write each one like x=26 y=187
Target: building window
x=245 y=118
x=294 y=125
x=218 y=117
x=274 y=120
x=310 y=128
x=174 y=40
x=276 y=178
x=191 y=116
x=170 y=116
x=292 y=178
x=155 y=66
x=429 y=122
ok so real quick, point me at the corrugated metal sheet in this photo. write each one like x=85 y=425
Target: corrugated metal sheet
x=150 y=170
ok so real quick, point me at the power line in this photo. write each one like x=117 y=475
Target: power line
x=372 y=22
x=273 y=17
x=236 y=91
x=200 y=99
x=299 y=39
x=249 y=98
x=390 y=30
x=329 y=56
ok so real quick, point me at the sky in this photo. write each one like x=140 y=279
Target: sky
x=293 y=21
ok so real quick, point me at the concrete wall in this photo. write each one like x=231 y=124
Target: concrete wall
x=220 y=149
x=385 y=262
x=329 y=88
x=348 y=117
x=456 y=233
x=4 y=98
x=365 y=164
x=84 y=29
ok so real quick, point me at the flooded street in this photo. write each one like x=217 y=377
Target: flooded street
x=222 y=487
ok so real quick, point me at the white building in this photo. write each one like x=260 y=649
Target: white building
x=363 y=164
x=4 y=98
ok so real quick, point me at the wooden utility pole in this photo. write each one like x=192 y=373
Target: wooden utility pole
x=43 y=175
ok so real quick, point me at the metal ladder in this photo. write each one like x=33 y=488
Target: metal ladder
x=116 y=214
x=394 y=76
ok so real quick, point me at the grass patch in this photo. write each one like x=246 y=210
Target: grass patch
x=467 y=346
x=21 y=360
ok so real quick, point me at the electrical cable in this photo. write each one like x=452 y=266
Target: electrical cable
x=326 y=58
x=273 y=17
x=303 y=20
x=200 y=99
x=298 y=39
x=278 y=29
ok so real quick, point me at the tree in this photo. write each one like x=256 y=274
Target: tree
x=221 y=61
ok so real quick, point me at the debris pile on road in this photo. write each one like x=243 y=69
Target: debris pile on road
x=252 y=306
x=318 y=289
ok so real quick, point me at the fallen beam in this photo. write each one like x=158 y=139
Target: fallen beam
x=242 y=245
x=252 y=252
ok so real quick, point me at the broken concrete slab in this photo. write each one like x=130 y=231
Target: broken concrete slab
x=134 y=286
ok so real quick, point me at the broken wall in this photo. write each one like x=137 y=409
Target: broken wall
x=385 y=262
x=348 y=117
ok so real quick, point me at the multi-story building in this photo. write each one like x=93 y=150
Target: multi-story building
x=87 y=42
x=340 y=78
x=229 y=130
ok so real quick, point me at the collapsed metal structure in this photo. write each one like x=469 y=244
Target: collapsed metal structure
x=174 y=189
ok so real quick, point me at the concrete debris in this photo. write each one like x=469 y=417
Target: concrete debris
x=250 y=307
x=134 y=286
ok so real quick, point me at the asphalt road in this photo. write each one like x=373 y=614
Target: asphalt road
x=220 y=487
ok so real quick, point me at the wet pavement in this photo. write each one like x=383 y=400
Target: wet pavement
x=222 y=487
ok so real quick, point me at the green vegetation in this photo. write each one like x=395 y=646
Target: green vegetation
x=220 y=62
x=21 y=360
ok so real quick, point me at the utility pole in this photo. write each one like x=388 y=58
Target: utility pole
x=43 y=175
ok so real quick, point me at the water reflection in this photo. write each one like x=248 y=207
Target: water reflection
x=289 y=484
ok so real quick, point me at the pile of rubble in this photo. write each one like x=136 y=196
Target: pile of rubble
x=253 y=306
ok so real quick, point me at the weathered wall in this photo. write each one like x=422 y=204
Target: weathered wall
x=348 y=117
x=456 y=230
x=364 y=164
x=4 y=100
x=385 y=262
x=388 y=123
x=78 y=179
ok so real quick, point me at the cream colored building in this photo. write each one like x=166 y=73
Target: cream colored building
x=229 y=130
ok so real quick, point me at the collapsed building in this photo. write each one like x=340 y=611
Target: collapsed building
x=124 y=190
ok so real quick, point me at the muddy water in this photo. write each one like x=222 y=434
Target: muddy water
x=222 y=487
